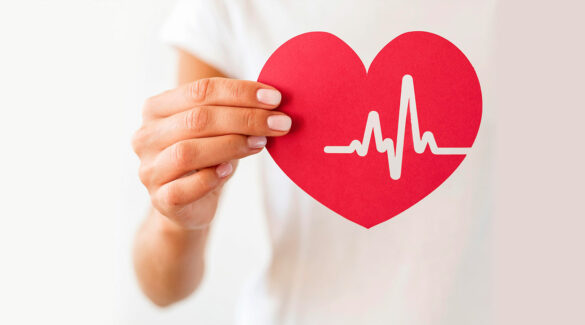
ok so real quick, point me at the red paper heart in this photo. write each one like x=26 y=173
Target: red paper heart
x=329 y=95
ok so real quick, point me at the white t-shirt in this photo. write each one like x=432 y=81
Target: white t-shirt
x=428 y=265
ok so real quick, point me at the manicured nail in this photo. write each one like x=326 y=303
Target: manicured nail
x=279 y=122
x=224 y=169
x=269 y=96
x=256 y=142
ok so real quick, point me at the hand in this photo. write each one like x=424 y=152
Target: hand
x=192 y=136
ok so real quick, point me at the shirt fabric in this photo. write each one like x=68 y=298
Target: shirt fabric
x=428 y=265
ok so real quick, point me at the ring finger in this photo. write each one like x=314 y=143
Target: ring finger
x=192 y=154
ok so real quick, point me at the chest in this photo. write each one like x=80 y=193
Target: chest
x=366 y=26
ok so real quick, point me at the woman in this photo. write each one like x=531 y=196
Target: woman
x=429 y=265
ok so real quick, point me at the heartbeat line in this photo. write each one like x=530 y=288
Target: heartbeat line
x=407 y=100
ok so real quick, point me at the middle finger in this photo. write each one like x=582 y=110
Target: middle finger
x=209 y=121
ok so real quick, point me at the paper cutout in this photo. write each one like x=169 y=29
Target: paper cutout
x=418 y=77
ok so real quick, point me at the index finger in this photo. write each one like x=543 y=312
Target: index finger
x=213 y=92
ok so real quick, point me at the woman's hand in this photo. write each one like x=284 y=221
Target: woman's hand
x=192 y=136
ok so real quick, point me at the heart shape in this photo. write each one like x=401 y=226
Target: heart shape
x=371 y=144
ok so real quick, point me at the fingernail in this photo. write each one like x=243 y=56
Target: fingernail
x=256 y=142
x=224 y=169
x=269 y=96
x=279 y=122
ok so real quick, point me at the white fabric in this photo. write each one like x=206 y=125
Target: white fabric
x=429 y=265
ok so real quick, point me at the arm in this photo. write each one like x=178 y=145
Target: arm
x=169 y=259
x=189 y=144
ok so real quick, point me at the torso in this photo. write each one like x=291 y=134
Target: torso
x=428 y=265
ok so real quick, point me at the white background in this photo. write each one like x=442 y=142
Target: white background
x=73 y=75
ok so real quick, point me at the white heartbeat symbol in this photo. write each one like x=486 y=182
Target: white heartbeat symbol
x=407 y=99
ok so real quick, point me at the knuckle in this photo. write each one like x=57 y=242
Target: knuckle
x=171 y=197
x=159 y=201
x=237 y=144
x=204 y=183
x=149 y=106
x=138 y=140
x=200 y=90
x=197 y=119
x=251 y=119
x=182 y=154
x=145 y=173
x=236 y=89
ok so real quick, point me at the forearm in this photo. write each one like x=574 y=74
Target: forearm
x=168 y=259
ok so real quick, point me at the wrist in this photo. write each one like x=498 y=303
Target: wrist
x=168 y=226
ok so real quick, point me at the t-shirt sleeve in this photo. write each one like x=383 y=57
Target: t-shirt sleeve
x=202 y=28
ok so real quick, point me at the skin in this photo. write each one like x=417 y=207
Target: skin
x=189 y=144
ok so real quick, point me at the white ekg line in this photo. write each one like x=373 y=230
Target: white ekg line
x=387 y=145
